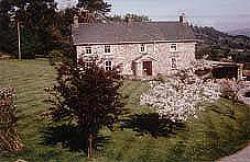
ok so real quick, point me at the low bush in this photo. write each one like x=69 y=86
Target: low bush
x=9 y=138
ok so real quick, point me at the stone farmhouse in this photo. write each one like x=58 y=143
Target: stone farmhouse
x=139 y=49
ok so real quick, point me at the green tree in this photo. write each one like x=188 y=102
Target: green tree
x=8 y=38
x=37 y=24
x=94 y=6
x=129 y=17
x=136 y=18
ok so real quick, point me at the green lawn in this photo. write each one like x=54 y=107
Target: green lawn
x=220 y=130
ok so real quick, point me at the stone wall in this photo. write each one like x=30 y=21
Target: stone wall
x=160 y=54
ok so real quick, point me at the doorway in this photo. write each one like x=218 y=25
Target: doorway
x=147 y=68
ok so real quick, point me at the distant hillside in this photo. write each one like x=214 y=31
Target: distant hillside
x=211 y=36
x=245 y=32
x=218 y=45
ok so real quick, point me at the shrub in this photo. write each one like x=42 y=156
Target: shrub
x=181 y=97
x=9 y=138
x=55 y=56
x=88 y=97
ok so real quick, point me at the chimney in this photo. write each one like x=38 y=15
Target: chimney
x=76 y=21
x=182 y=18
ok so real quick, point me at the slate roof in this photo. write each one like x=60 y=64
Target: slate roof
x=132 y=32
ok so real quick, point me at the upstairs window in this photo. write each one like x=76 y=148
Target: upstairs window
x=173 y=47
x=108 y=65
x=88 y=50
x=142 y=48
x=107 y=49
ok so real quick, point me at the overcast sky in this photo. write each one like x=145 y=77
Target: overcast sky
x=222 y=14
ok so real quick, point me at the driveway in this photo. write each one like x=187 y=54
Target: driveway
x=241 y=156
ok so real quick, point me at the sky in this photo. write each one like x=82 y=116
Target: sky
x=225 y=15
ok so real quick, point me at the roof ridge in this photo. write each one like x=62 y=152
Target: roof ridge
x=146 y=22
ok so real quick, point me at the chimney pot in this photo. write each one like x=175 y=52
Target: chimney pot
x=182 y=18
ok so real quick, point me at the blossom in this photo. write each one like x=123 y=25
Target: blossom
x=179 y=98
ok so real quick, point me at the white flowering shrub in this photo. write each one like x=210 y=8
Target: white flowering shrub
x=181 y=96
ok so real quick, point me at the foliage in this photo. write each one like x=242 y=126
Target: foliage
x=230 y=90
x=129 y=17
x=30 y=78
x=94 y=5
x=241 y=56
x=181 y=97
x=10 y=140
x=215 y=133
x=65 y=20
x=218 y=45
x=37 y=20
x=43 y=27
x=55 y=56
x=8 y=38
x=222 y=129
x=88 y=97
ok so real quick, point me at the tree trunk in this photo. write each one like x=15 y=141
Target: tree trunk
x=90 y=146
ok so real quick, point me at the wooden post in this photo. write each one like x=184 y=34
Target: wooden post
x=90 y=146
x=19 y=41
x=239 y=72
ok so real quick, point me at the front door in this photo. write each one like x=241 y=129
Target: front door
x=147 y=68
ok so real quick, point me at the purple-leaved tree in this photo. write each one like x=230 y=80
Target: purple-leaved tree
x=86 y=96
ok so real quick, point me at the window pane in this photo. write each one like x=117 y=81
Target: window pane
x=108 y=65
x=107 y=49
x=88 y=50
x=173 y=47
x=174 y=66
x=142 y=47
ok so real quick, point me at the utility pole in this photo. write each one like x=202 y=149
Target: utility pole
x=19 y=41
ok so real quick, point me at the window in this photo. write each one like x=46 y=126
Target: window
x=174 y=66
x=107 y=49
x=88 y=63
x=142 y=48
x=108 y=65
x=173 y=47
x=88 y=50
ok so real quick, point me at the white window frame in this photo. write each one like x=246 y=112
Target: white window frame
x=143 y=48
x=87 y=63
x=173 y=47
x=174 y=64
x=108 y=65
x=88 y=50
x=107 y=49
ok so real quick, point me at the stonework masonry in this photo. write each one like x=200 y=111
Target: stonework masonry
x=161 y=55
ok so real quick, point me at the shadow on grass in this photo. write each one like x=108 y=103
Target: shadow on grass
x=70 y=137
x=152 y=124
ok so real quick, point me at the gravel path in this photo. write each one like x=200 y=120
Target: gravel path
x=241 y=156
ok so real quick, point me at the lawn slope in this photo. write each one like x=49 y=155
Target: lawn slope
x=30 y=78
x=140 y=137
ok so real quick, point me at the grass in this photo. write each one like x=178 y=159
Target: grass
x=30 y=78
x=219 y=131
